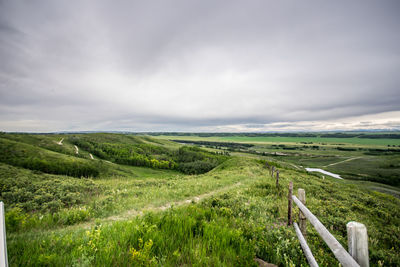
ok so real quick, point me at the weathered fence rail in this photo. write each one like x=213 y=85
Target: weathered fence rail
x=3 y=243
x=356 y=234
x=307 y=251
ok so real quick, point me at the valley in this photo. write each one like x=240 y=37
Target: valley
x=146 y=200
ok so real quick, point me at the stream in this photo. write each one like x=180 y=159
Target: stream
x=337 y=176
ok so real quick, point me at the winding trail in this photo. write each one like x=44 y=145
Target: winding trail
x=76 y=149
x=129 y=214
x=134 y=212
x=295 y=166
x=91 y=156
x=60 y=142
x=341 y=161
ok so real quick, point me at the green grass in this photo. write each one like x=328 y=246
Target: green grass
x=384 y=169
x=181 y=237
x=122 y=217
x=123 y=195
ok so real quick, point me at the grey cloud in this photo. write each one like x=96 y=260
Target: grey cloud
x=196 y=65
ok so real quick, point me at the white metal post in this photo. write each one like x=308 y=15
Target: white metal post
x=3 y=242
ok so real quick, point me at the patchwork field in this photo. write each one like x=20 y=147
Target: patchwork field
x=282 y=139
x=375 y=159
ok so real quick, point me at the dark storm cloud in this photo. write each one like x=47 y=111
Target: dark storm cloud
x=198 y=65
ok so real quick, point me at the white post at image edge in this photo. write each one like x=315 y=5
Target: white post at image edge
x=3 y=243
x=358 y=243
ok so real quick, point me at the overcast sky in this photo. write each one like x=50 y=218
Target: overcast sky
x=199 y=65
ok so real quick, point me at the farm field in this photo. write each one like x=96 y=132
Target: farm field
x=130 y=200
x=280 y=139
x=376 y=160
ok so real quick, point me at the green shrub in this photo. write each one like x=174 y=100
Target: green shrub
x=15 y=219
x=196 y=167
x=44 y=193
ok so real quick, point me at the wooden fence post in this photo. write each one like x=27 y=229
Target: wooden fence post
x=357 y=239
x=290 y=203
x=272 y=171
x=277 y=178
x=302 y=218
x=3 y=243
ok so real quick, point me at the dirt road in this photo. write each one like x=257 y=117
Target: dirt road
x=133 y=212
x=342 y=161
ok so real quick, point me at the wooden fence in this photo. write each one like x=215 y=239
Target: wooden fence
x=356 y=235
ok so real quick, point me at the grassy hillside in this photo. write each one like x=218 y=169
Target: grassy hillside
x=35 y=198
x=145 y=151
x=36 y=158
x=228 y=228
x=149 y=216
x=48 y=154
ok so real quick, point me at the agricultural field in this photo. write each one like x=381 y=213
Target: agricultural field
x=354 y=139
x=132 y=200
x=376 y=159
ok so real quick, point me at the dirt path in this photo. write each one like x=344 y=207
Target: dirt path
x=91 y=156
x=342 y=161
x=76 y=149
x=295 y=166
x=138 y=212
x=133 y=212
x=60 y=142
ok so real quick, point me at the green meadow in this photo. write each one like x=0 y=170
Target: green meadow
x=148 y=201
